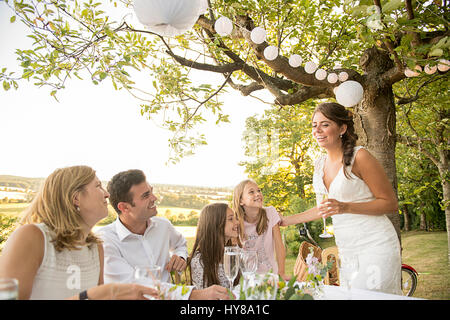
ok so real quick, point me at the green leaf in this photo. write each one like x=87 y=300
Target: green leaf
x=13 y=19
x=392 y=5
x=6 y=85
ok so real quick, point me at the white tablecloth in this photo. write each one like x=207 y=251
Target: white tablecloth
x=340 y=293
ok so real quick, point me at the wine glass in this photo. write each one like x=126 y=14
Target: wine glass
x=249 y=264
x=348 y=270
x=320 y=198
x=149 y=276
x=231 y=263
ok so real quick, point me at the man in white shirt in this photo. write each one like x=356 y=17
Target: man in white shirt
x=138 y=237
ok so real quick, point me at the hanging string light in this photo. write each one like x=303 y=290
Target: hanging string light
x=310 y=67
x=349 y=93
x=295 y=61
x=271 y=52
x=343 y=76
x=223 y=26
x=332 y=78
x=320 y=74
x=443 y=65
x=168 y=17
x=258 y=35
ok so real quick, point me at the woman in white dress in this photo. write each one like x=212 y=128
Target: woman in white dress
x=54 y=254
x=359 y=196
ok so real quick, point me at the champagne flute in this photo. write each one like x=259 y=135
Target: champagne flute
x=149 y=276
x=320 y=198
x=231 y=264
x=348 y=269
x=249 y=264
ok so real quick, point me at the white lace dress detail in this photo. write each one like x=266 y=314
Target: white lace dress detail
x=372 y=239
x=198 y=279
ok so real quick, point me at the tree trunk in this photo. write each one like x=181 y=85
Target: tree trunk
x=407 y=222
x=375 y=117
x=423 y=221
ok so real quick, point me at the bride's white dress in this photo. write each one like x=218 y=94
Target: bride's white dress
x=372 y=239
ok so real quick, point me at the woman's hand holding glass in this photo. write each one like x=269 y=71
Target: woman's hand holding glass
x=149 y=276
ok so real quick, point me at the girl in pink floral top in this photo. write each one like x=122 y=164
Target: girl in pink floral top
x=259 y=228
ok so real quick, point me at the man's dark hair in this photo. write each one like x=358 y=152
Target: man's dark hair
x=120 y=185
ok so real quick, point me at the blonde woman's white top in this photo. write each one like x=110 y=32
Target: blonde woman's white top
x=66 y=273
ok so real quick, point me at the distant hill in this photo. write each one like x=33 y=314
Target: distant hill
x=211 y=193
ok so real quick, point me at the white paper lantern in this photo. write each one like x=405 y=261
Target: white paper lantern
x=295 y=61
x=443 y=65
x=168 y=18
x=223 y=26
x=258 y=35
x=413 y=73
x=321 y=74
x=430 y=69
x=332 y=78
x=343 y=76
x=335 y=90
x=310 y=67
x=271 y=52
x=349 y=93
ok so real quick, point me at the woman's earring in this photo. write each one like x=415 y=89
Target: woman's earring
x=340 y=136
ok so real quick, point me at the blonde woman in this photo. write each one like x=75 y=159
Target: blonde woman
x=54 y=254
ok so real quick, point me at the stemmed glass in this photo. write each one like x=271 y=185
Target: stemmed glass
x=348 y=269
x=231 y=263
x=320 y=198
x=249 y=264
x=149 y=276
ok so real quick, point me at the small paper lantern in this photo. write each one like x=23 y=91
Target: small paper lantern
x=343 y=76
x=430 y=69
x=349 y=93
x=168 y=17
x=223 y=26
x=411 y=73
x=295 y=61
x=258 y=35
x=271 y=52
x=335 y=90
x=443 y=65
x=321 y=74
x=332 y=78
x=310 y=67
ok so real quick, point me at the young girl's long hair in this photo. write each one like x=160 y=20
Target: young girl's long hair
x=263 y=221
x=54 y=206
x=210 y=242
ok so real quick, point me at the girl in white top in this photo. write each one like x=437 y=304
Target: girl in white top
x=54 y=254
x=359 y=196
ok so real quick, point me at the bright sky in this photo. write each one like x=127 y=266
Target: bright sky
x=103 y=128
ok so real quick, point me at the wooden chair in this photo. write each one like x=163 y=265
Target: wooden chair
x=331 y=254
x=300 y=264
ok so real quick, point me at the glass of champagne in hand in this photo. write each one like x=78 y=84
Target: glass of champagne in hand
x=320 y=198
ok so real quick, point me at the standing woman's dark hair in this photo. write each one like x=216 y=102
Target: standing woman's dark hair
x=337 y=113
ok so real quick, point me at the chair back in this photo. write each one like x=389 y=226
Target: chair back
x=300 y=267
x=331 y=254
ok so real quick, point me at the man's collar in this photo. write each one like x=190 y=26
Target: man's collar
x=123 y=232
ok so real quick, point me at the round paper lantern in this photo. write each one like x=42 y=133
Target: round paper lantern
x=310 y=67
x=343 y=76
x=223 y=26
x=258 y=35
x=295 y=61
x=168 y=17
x=349 y=93
x=321 y=74
x=271 y=52
x=332 y=78
x=430 y=69
x=443 y=65
x=411 y=73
